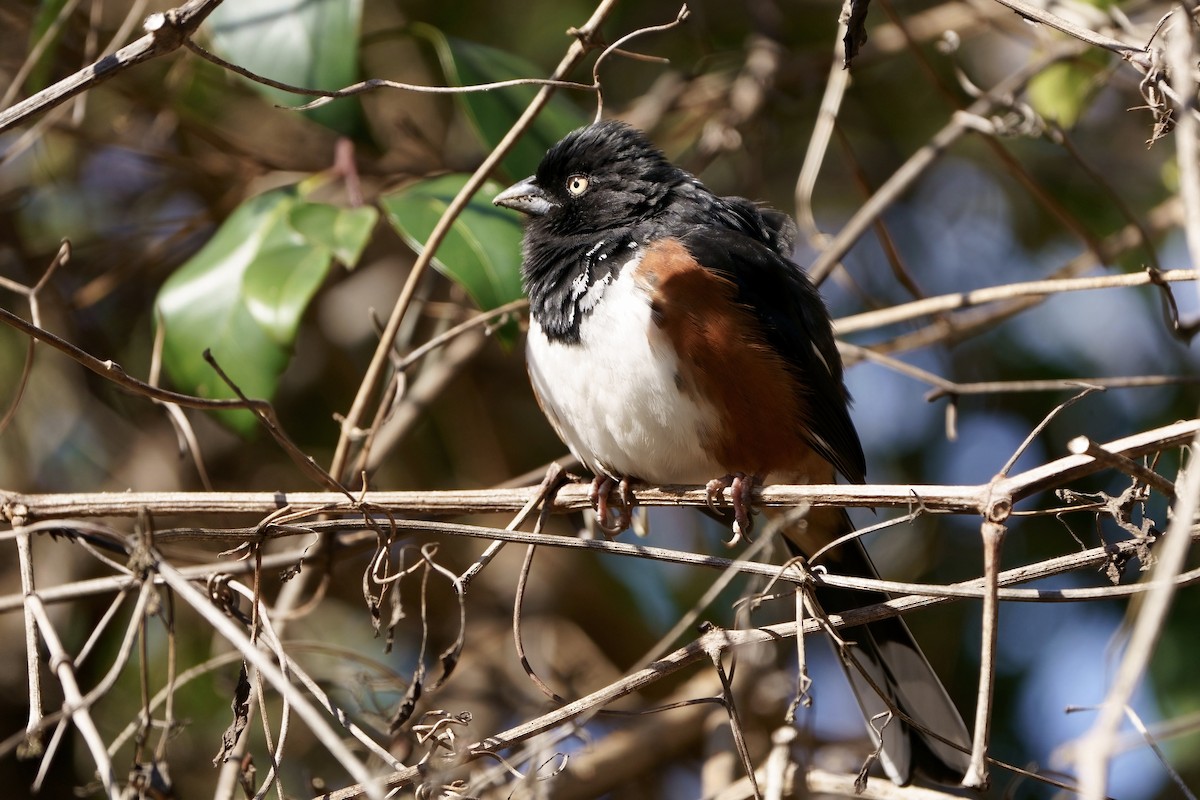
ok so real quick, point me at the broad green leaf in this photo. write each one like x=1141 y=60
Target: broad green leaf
x=243 y=294
x=1062 y=92
x=493 y=113
x=482 y=252
x=344 y=231
x=309 y=43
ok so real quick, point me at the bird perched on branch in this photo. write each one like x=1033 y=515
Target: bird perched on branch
x=672 y=340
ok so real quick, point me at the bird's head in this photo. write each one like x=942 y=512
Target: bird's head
x=606 y=175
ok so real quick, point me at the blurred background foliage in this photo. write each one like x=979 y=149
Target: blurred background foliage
x=147 y=172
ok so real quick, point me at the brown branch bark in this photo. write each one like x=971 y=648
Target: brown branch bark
x=19 y=509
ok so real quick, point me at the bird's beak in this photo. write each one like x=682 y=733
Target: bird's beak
x=526 y=197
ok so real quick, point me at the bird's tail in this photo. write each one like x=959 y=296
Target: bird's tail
x=888 y=671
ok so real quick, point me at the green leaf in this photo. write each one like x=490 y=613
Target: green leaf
x=343 y=231
x=1062 y=92
x=243 y=294
x=309 y=43
x=493 y=113
x=481 y=253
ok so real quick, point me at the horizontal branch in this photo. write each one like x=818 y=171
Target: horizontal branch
x=19 y=509
x=1074 y=467
x=944 y=387
x=352 y=535
x=870 y=320
x=88 y=587
x=22 y=508
x=326 y=95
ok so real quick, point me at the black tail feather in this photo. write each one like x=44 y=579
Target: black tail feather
x=888 y=672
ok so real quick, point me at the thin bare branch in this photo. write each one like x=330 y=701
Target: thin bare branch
x=797 y=779
x=326 y=95
x=993 y=537
x=112 y=371
x=496 y=315
x=969 y=322
x=919 y=162
x=38 y=50
x=165 y=32
x=1134 y=54
x=21 y=508
x=615 y=47
x=959 y=300
x=836 y=84
x=969 y=589
x=74 y=707
x=237 y=637
x=33 y=661
x=1095 y=748
x=1081 y=445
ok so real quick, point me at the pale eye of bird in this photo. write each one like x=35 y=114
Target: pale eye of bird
x=577 y=185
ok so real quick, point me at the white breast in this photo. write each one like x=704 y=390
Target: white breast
x=613 y=396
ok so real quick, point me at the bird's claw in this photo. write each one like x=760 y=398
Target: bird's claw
x=712 y=490
x=601 y=487
x=741 y=495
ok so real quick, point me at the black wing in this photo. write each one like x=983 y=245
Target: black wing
x=796 y=325
x=692 y=203
x=773 y=227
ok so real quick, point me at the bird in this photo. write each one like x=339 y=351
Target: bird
x=673 y=340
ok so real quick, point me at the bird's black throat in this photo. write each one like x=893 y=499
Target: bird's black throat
x=565 y=276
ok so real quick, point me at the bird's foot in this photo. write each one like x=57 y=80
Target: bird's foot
x=741 y=488
x=601 y=488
